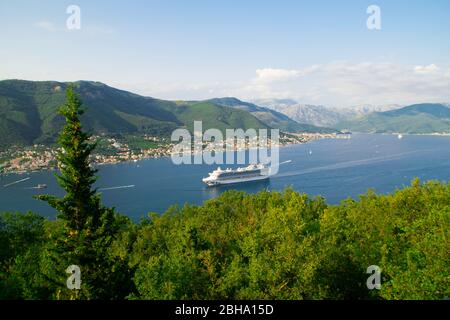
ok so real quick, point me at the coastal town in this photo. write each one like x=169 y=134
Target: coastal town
x=112 y=150
x=109 y=150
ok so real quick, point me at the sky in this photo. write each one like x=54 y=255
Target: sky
x=315 y=52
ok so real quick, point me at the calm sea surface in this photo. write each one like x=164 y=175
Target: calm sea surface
x=335 y=169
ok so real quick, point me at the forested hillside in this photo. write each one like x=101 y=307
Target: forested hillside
x=29 y=112
x=422 y=118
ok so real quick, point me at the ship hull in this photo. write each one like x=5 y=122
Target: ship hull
x=219 y=182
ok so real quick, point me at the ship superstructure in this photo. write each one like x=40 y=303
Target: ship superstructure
x=228 y=176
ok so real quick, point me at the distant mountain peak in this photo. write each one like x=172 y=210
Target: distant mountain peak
x=272 y=117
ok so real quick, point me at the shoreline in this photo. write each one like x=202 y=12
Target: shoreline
x=310 y=137
x=406 y=134
x=101 y=164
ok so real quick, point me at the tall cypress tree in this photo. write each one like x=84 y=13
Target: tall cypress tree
x=87 y=228
x=80 y=208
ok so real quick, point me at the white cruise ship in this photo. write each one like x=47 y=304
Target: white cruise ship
x=251 y=173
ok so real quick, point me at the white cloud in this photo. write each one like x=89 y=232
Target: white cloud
x=432 y=68
x=346 y=83
x=272 y=75
x=45 y=25
x=338 y=84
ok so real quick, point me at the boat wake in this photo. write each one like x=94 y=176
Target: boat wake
x=15 y=182
x=115 y=188
x=285 y=162
x=348 y=164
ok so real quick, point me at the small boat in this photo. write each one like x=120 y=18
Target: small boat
x=41 y=186
x=400 y=136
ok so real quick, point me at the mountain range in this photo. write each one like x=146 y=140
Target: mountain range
x=28 y=112
x=416 y=119
x=271 y=117
x=422 y=118
x=312 y=114
x=319 y=115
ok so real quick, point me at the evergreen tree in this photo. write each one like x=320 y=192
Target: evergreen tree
x=87 y=228
x=80 y=208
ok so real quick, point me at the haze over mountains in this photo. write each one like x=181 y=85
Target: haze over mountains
x=320 y=115
x=312 y=114
x=423 y=118
x=272 y=117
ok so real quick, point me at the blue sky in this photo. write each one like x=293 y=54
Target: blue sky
x=317 y=52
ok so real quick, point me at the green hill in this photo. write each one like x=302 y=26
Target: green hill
x=419 y=118
x=216 y=116
x=272 y=118
x=28 y=112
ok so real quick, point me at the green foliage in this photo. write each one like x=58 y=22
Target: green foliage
x=80 y=203
x=17 y=232
x=216 y=116
x=138 y=143
x=237 y=246
x=287 y=246
x=419 y=118
x=21 y=240
x=87 y=228
x=269 y=245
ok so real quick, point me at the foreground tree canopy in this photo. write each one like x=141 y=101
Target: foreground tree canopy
x=268 y=245
x=265 y=246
